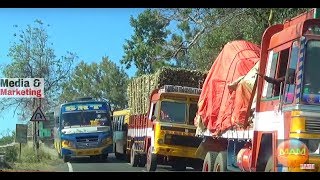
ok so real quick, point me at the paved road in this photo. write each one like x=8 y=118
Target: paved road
x=85 y=164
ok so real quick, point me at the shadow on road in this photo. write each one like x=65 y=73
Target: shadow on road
x=169 y=168
x=87 y=159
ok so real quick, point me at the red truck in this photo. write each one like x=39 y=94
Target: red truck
x=251 y=124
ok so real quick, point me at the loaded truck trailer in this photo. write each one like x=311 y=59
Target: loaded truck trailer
x=161 y=130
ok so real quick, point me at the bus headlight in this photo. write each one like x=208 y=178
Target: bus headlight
x=66 y=143
x=106 y=141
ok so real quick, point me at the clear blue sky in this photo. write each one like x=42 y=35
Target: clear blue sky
x=91 y=33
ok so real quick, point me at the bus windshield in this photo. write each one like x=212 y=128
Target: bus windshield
x=85 y=118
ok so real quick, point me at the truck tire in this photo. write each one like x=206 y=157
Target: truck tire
x=220 y=164
x=127 y=156
x=142 y=160
x=151 y=160
x=208 y=162
x=134 y=156
x=269 y=166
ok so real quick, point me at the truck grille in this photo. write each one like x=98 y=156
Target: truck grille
x=313 y=125
x=188 y=141
x=87 y=142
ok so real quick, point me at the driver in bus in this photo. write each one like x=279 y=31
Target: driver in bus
x=102 y=119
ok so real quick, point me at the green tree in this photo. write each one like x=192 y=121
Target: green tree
x=241 y=24
x=32 y=56
x=97 y=80
x=7 y=137
x=200 y=33
x=145 y=49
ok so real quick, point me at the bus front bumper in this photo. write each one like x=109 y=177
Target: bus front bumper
x=88 y=152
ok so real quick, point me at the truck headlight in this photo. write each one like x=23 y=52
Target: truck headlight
x=298 y=124
x=160 y=141
x=168 y=138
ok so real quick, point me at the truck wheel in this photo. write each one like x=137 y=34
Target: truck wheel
x=142 y=160
x=220 y=164
x=151 y=160
x=208 y=162
x=134 y=157
x=269 y=166
x=128 y=156
x=66 y=158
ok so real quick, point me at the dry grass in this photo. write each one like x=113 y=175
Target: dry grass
x=29 y=161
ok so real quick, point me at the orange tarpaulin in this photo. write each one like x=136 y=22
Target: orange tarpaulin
x=217 y=103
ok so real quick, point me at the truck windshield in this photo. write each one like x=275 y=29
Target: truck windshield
x=83 y=118
x=174 y=112
x=311 y=83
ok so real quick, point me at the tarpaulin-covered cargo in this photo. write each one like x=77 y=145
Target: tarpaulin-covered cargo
x=140 y=88
x=217 y=102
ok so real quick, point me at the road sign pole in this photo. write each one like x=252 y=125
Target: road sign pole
x=34 y=135
x=37 y=116
x=37 y=142
x=38 y=132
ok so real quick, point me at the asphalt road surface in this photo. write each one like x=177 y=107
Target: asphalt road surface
x=85 y=164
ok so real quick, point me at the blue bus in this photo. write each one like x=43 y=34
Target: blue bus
x=83 y=128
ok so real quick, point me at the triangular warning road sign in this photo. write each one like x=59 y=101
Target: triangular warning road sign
x=38 y=115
